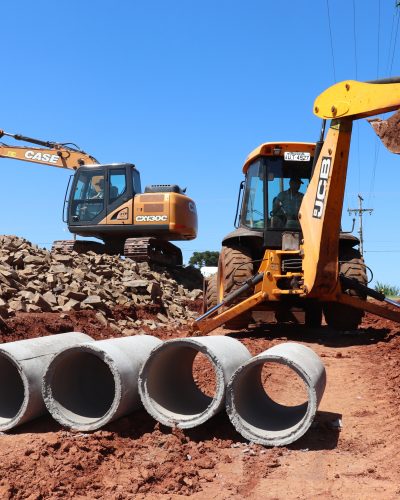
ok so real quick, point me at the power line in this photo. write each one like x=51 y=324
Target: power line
x=390 y=41
x=356 y=66
x=379 y=37
x=355 y=38
x=394 y=43
x=388 y=71
x=330 y=36
x=395 y=40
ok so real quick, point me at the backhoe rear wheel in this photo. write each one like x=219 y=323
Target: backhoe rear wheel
x=340 y=316
x=235 y=266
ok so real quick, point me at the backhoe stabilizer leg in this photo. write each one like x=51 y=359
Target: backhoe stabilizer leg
x=206 y=324
x=370 y=307
x=250 y=283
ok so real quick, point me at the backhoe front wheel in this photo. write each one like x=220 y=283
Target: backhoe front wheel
x=235 y=266
x=340 y=316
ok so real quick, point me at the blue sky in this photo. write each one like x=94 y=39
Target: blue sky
x=185 y=90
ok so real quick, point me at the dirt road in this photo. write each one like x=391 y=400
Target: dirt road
x=350 y=452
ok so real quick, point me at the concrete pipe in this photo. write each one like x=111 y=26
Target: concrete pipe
x=167 y=383
x=22 y=365
x=260 y=418
x=90 y=385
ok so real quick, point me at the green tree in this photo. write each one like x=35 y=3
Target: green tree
x=201 y=259
x=388 y=290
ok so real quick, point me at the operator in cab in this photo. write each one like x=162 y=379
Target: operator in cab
x=286 y=206
x=99 y=194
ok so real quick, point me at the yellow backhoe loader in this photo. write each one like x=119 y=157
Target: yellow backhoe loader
x=106 y=202
x=288 y=253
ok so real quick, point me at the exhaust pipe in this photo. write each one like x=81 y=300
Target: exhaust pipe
x=168 y=387
x=261 y=419
x=22 y=365
x=89 y=385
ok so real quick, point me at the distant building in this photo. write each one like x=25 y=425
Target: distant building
x=207 y=271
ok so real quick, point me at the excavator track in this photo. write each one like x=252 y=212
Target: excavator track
x=78 y=246
x=153 y=250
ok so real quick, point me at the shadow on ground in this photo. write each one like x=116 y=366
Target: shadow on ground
x=323 y=336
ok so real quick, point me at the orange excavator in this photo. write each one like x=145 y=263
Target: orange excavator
x=105 y=201
x=288 y=254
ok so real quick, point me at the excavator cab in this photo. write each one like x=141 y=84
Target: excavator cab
x=98 y=190
x=107 y=202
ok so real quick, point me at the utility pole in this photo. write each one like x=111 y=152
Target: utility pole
x=360 y=211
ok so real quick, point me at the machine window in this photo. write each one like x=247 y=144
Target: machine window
x=137 y=188
x=88 y=199
x=254 y=197
x=117 y=183
x=286 y=188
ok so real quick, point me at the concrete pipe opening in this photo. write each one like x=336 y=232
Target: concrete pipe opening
x=183 y=381
x=80 y=387
x=272 y=400
x=182 y=385
x=13 y=392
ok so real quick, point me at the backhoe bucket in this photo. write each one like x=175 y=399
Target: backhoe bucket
x=388 y=131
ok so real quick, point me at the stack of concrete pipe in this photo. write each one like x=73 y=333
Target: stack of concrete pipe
x=169 y=392
x=86 y=384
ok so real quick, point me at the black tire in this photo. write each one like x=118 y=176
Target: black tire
x=340 y=316
x=235 y=266
x=210 y=297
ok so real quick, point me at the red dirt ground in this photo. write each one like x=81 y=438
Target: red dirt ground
x=136 y=457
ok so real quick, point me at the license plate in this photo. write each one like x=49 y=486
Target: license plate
x=292 y=156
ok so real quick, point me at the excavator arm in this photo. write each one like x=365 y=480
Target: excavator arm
x=61 y=155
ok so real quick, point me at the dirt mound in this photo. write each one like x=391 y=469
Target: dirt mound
x=121 y=291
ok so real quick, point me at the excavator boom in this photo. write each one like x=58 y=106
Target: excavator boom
x=54 y=154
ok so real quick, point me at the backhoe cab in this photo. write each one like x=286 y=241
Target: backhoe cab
x=288 y=254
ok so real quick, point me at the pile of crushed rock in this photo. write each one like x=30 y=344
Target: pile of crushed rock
x=34 y=280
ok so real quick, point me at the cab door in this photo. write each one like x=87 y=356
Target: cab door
x=87 y=204
x=119 y=194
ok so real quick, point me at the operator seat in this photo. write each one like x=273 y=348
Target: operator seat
x=113 y=193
